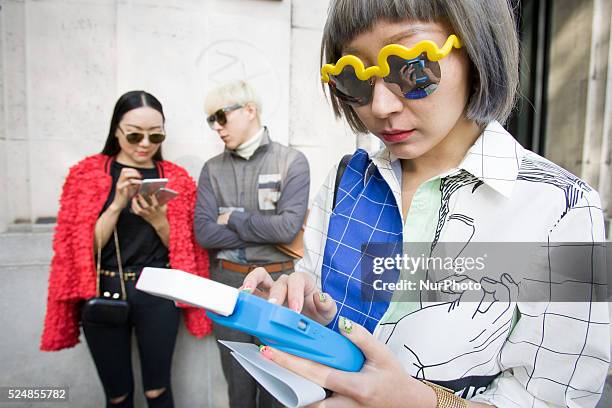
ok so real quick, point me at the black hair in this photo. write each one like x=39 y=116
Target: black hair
x=125 y=103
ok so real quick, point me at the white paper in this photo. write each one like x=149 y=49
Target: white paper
x=289 y=388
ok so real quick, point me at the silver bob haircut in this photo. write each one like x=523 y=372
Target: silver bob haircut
x=486 y=28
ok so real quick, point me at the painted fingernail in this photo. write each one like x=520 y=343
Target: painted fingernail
x=247 y=289
x=322 y=297
x=266 y=352
x=272 y=300
x=345 y=325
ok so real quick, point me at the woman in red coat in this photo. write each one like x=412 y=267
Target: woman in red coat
x=100 y=197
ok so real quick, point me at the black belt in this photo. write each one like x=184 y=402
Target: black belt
x=128 y=275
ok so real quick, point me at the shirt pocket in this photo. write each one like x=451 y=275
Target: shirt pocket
x=268 y=191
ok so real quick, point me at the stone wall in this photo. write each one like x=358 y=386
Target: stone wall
x=65 y=63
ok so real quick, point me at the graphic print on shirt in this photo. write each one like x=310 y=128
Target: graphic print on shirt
x=556 y=354
x=268 y=191
x=539 y=171
x=473 y=332
x=448 y=187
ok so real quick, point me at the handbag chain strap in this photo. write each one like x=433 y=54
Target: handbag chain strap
x=119 y=264
x=99 y=260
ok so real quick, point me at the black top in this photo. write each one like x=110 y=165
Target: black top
x=139 y=243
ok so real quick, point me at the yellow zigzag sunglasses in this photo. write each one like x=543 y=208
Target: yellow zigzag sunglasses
x=412 y=73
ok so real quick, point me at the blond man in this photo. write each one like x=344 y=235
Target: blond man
x=251 y=198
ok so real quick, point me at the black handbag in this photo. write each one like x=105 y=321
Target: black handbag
x=104 y=309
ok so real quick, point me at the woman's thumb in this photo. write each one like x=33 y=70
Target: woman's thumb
x=325 y=306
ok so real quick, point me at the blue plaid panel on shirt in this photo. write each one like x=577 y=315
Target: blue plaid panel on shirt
x=365 y=213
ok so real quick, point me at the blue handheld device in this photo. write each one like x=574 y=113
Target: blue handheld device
x=286 y=330
x=274 y=325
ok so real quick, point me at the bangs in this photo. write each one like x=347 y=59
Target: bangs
x=349 y=18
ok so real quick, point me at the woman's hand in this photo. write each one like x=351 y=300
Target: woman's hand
x=154 y=214
x=406 y=73
x=298 y=290
x=382 y=382
x=432 y=77
x=126 y=187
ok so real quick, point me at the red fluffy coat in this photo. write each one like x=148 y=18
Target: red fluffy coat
x=73 y=274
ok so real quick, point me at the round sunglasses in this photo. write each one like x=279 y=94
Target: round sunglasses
x=220 y=116
x=411 y=73
x=137 y=137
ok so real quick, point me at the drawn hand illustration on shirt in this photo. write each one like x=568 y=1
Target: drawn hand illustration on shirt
x=472 y=331
x=474 y=323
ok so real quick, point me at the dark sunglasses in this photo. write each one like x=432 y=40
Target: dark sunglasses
x=137 y=137
x=409 y=73
x=220 y=116
x=411 y=79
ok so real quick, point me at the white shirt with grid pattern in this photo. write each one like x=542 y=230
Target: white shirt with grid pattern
x=558 y=353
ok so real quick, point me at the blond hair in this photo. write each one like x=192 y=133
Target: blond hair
x=236 y=92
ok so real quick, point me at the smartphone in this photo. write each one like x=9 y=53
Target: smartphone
x=418 y=76
x=150 y=186
x=164 y=195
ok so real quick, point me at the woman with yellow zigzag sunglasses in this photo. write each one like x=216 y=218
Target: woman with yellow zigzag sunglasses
x=433 y=80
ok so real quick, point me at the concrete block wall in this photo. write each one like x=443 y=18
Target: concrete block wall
x=313 y=129
x=14 y=114
x=3 y=184
x=65 y=63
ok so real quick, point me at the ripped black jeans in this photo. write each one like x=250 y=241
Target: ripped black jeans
x=155 y=322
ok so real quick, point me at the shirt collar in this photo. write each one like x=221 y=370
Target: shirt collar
x=494 y=158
